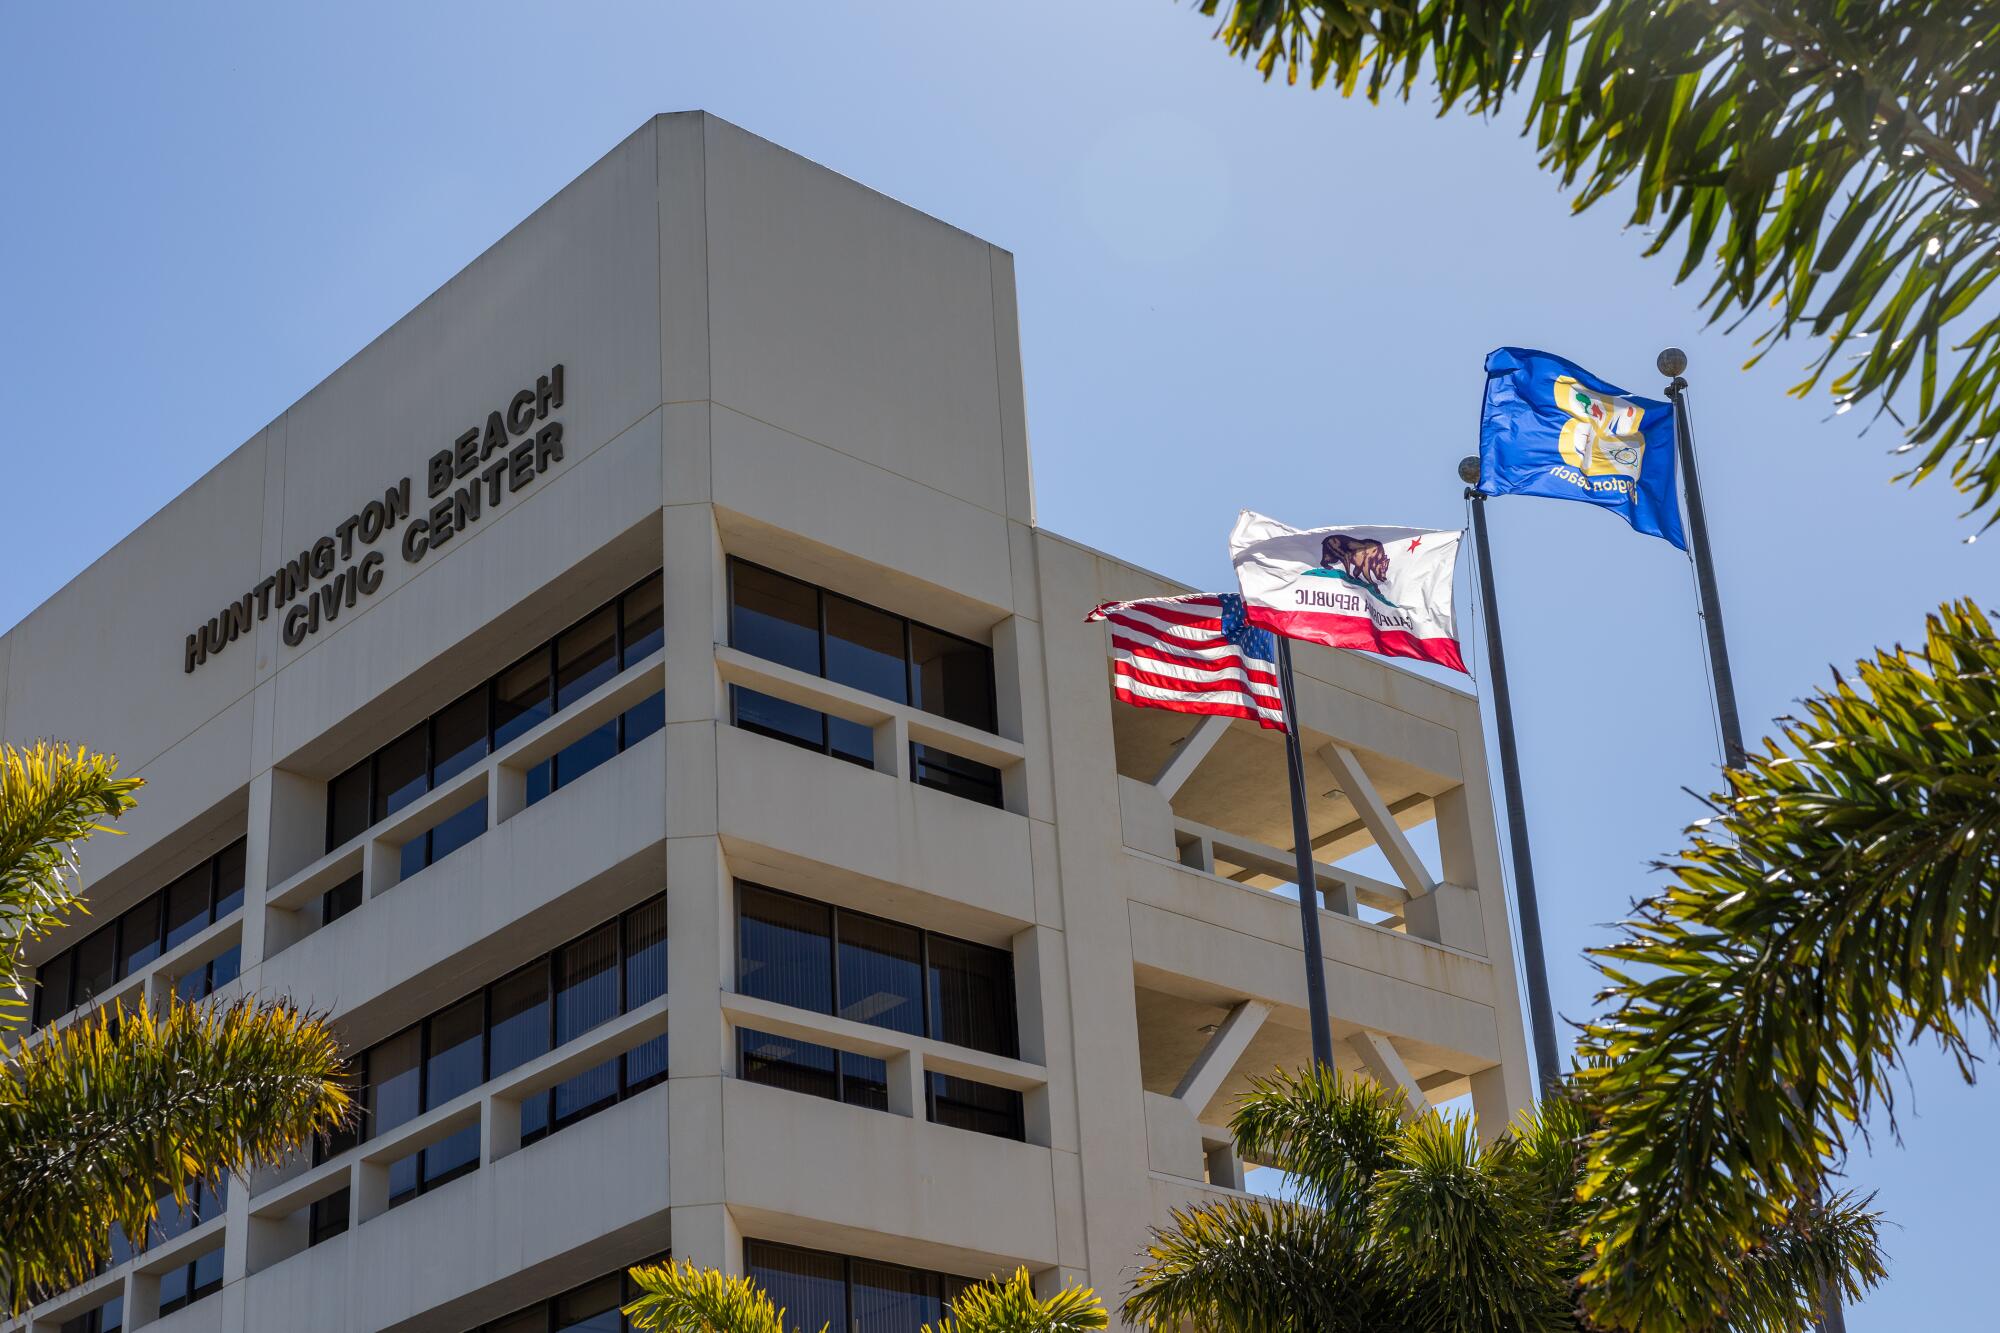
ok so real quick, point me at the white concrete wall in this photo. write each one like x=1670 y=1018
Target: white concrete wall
x=766 y=360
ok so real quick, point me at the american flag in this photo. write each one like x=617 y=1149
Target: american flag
x=1193 y=654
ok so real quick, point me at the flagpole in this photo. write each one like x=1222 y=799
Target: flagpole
x=1534 y=964
x=1672 y=362
x=1308 y=875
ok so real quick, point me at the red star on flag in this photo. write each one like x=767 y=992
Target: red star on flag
x=1415 y=542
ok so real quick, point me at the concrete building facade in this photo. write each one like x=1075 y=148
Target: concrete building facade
x=633 y=697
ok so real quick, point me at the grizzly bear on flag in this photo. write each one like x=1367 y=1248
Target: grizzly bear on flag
x=1362 y=557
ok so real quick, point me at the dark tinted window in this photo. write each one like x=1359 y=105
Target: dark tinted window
x=328 y=1218
x=139 y=935
x=341 y=899
x=187 y=905
x=96 y=963
x=229 y=863
x=521 y=697
x=52 y=988
x=586 y=753
x=953 y=677
x=521 y=1032
x=586 y=656
x=458 y=737
x=645 y=981
x=457 y=1059
x=811 y=1288
x=966 y=778
x=347 y=805
x=785 y=949
x=889 y=1298
x=590 y=1309
x=586 y=995
x=456 y=830
x=774 y=617
x=972 y=996
x=851 y=1295
x=520 y=1017
x=963 y=1104
x=865 y=649
x=394 y=1091
x=402 y=772
x=881 y=973
x=788 y=1063
x=492 y=714
x=789 y=621
x=643 y=623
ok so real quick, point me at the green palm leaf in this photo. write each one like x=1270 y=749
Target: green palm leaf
x=102 y=1119
x=1828 y=166
x=1840 y=902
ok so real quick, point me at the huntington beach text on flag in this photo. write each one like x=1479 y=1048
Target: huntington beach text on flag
x=1381 y=590
x=1550 y=427
x=1193 y=654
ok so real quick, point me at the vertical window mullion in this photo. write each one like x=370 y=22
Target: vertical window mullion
x=423 y=1093
x=825 y=725
x=833 y=1008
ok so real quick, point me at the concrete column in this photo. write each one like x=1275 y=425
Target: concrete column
x=707 y=1235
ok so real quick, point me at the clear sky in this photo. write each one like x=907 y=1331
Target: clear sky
x=1231 y=294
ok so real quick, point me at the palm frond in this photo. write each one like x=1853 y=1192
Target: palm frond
x=682 y=1298
x=1329 y=1132
x=1262 y=1266
x=52 y=797
x=1830 y=167
x=1474 y=1234
x=104 y=1118
x=1841 y=902
x=1011 y=1306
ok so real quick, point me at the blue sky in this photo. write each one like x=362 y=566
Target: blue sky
x=1231 y=294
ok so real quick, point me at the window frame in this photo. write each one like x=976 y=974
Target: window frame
x=620 y=924
x=551 y=767
x=1011 y=1024
x=45 y=1011
x=958 y=766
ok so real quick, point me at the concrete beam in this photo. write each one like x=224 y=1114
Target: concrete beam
x=1382 y=825
x=1187 y=756
x=1386 y=1067
x=1218 y=1059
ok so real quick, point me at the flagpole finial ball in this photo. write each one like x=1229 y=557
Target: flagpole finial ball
x=1672 y=362
x=1468 y=469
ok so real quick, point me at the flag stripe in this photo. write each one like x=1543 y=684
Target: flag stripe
x=1194 y=654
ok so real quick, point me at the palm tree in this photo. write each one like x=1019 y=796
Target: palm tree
x=1839 y=903
x=1419 y=1226
x=681 y=1298
x=118 y=1110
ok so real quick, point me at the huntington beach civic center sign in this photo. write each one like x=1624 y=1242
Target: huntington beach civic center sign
x=517 y=444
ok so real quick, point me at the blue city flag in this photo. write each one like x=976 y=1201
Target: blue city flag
x=1550 y=427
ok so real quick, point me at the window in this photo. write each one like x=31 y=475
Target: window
x=160 y=922
x=106 y=1318
x=818 y=1290
x=619 y=634
x=201 y=1276
x=590 y=1308
x=795 y=624
x=613 y=969
x=831 y=960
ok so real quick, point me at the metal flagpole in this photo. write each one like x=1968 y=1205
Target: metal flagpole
x=1541 y=1015
x=1308 y=877
x=1672 y=361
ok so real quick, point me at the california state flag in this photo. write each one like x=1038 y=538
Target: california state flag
x=1381 y=590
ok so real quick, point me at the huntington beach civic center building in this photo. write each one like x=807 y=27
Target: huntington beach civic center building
x=633 y=698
